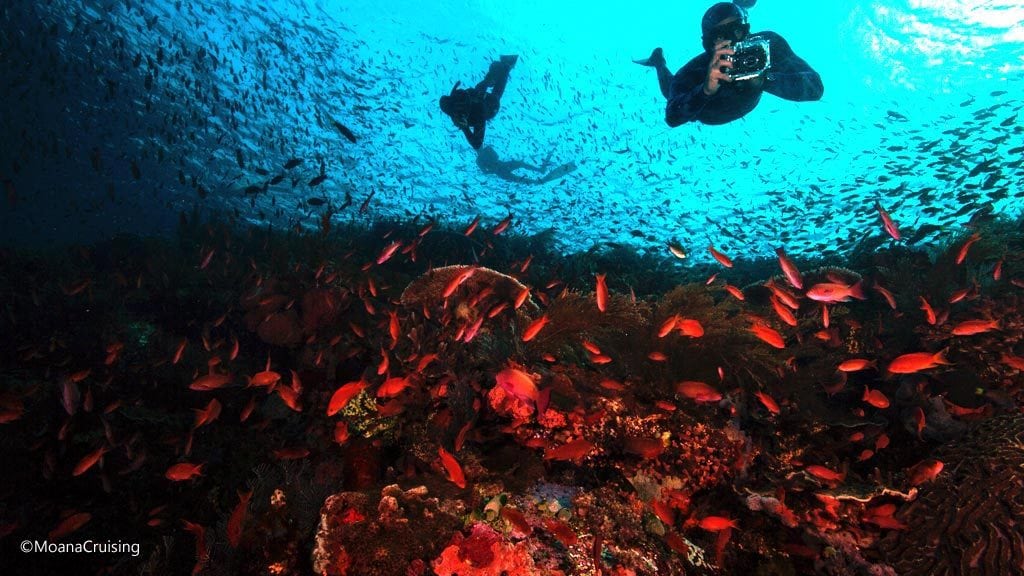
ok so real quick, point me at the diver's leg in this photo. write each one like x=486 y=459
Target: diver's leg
x=497 y=75
x=657 y=61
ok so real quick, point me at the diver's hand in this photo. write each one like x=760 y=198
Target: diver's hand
x=718 y=69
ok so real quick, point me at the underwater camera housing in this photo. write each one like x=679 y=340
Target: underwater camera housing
x=752 y=57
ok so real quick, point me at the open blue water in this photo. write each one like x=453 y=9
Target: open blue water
x=917 y=94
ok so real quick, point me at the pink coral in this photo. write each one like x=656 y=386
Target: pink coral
x=484 y=553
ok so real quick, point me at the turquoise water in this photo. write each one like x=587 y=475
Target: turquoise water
x=917 y=94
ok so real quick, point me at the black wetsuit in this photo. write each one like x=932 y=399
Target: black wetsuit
x=789 y=77
x=471 y=109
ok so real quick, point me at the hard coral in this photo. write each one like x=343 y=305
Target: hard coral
x=968 y=517
x=429 y=288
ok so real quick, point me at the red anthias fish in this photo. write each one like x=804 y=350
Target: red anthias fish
x=717 y=523
x=972 y=327
x=924 y=471
x=698 y=391
x=917 y=361
x=601 y=293
x=836 y=292
x=887 y=222
x=534 y=328
x=789 y=269
x=237 y=519
x=451 y=465
x=570 y=451
x=721 y=258
x=769 y=336
x=875 y=398
x=183 y=471
x=518 y=383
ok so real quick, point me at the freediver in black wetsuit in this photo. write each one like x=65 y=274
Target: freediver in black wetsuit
x=703 y=90
x=489 y=162
x=471 y=109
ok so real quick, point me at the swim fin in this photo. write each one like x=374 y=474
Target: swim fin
x=655 y=59
x=510 y=61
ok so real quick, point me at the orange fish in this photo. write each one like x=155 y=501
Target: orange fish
x=211 y=382
x=768 y=335
x=516 y=519
x=178 y=351
x=89 y=461
x=960 y=294
x=929 y=313
x=972 y=327
x=917 y=361
x=472 y=226
x=265 y=379
x=722 y=258
x=826 y=474
x=717 y=523
x=997 y=272
x=875 y=398
x=882 y=441
x=560 y=530
x=518 y=383
x=70 y=524
x=967 y=246
x=917 y=415
x=457 y=281
x=237 y=519
x=768 y=402
x=343 y=394
x=451 y=465
x=856 y=364
x=340 y=432
x=523 y=296
x=889 y=297
x=502 y=226
x=782 y=294
x=736 y=292
x=208 y=414
x=574 y=450
x=698 y=391
x=668 y=325
x=388 y=251
x=783 y=312
x=887 y=222
x=1012 y=361
x=394 y=328
x=836 y=292
x=657 y=356
x=601 y=293
x=534 y=328
x=645 y=448
x=924 y=471
x=393 y=387
x=789 y=269
x=183 y=471
x=689 y=327
x=676 y=543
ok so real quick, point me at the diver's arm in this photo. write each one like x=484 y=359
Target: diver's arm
x=475 y=135
x=789 y=76
x=687 y=98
